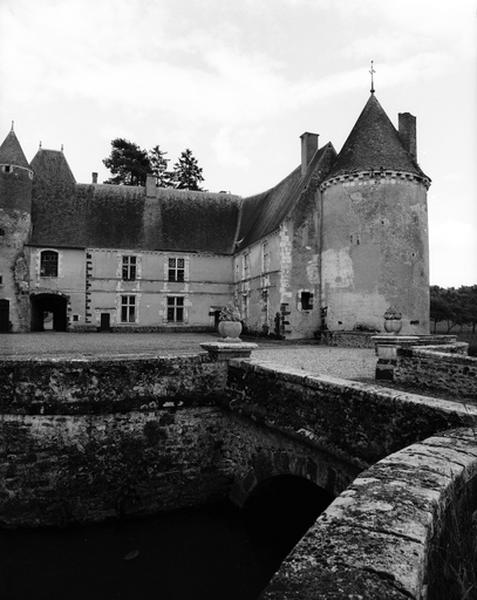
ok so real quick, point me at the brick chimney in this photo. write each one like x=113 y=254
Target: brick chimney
x=309 y=145
x=407 y=133
x=94 y=177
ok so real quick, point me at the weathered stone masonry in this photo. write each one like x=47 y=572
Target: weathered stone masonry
x=87 y=439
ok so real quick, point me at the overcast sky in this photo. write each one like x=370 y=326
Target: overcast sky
x=239 y=81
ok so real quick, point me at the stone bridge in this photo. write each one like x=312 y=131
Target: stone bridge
x=84 y=439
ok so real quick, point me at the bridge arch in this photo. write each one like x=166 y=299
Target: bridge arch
x=298 y=461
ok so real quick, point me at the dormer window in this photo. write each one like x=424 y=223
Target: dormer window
x=49 y=263
x=7 y=168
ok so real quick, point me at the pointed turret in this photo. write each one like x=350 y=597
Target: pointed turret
x=375 y=241
x=15 y=224
x=11 y=152
x=374 y=145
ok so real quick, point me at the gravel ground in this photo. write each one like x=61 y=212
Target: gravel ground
x=349 y=363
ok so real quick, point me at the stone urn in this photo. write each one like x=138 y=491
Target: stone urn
x=230 y=326
x=230 y=330
x=392 y=320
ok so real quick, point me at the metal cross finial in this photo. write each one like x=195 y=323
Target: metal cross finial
x=13 y=123
x=372 y=71
x=39 y=147
x=62 y=147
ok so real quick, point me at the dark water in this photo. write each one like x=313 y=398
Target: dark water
x=201 y=553
x=204 y=553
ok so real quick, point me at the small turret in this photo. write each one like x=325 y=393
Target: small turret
x=15 y=225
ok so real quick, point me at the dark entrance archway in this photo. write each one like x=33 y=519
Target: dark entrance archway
x=46 y=309
x=4 y=315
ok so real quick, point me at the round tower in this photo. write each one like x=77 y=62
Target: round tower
x=15 y=224
x=375 y=233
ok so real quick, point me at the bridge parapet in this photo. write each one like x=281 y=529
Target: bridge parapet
x=401 y=530
x=360 y=423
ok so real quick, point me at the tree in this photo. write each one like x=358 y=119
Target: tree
x=187 y=173
x=158 y=163
x=128 y=163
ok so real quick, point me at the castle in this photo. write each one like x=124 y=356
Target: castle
x=331 y=246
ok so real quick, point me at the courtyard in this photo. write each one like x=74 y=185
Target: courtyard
x=348 y=363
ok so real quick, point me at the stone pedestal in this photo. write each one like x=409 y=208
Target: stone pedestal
x=227 y=350
x=386 y=350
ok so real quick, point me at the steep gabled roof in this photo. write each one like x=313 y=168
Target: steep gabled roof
x=11 y=152
x=51 y=166
x=374 y=144
x=263 y=213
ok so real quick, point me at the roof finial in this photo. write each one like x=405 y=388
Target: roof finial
x=62 y=147
x=372 y=71
x=39 y=147
x=13 y=123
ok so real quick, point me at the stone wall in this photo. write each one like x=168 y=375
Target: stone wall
x=348 y=339
x=389 y=535
x=356 y=422
x=84 y=439
x=440 y=368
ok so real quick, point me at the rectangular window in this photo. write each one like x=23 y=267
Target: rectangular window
x=176 y=269
x=129 y=268
x=245 y=305
x=175 y=309
x=245 y=266
x=128 y=309
x=265 y=258
x=49 y=263
x=306 y=299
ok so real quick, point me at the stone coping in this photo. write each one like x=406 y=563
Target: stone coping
x=289 y=374
x=374 y=540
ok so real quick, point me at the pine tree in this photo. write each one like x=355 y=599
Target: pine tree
x=158 y=163
x=187 y=173
x=127 y=162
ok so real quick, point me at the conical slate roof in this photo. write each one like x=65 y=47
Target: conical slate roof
x=11 y=152
x=374 y=144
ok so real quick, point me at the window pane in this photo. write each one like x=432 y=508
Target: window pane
x=132 y=314
x=180 y=263
x=124 y=314
x=170 y=314
x=172 y=275
x=172 y=262
x=180 y=314
x=180 y=275
x=180 y=301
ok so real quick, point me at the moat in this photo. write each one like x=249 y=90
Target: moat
x=209 y=552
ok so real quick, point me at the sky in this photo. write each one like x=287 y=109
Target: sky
x=238 y=82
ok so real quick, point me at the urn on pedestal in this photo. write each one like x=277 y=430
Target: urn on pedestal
x=230 y=326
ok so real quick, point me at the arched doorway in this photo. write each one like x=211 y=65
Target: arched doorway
x=48 y=311
x=281 y=509
x=4 y=315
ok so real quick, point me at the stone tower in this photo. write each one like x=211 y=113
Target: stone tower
x=15 y=225
x=375 y=234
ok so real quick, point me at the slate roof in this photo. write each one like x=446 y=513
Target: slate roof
x=11 y=152
x=112 y=216
x=51 y=167
x=374 y=144
x=263 y=213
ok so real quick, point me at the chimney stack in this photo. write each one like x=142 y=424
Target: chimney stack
x=94 y=177
x=407 y=133
x=309 y=145
x=150 y=185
